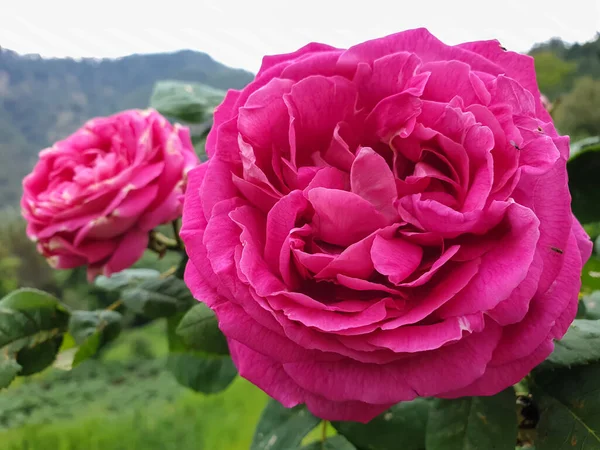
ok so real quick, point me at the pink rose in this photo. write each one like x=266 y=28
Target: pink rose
x=385 y=222
x=93 y=198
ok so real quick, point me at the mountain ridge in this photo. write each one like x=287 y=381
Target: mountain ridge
x=43 y=100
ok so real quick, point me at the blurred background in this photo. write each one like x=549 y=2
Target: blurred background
x=64 y=62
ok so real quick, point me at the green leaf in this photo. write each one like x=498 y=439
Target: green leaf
x=581 y=310
x=28 y=299
x=590 y=275
x=593 y=231
x=581 y=345
x=91 y=330
x=88 y=348
x=583 y=168
x=202 y=373
x=199 y=139
x=197 y=370
x=568 y=401
x=66 y=353
x=127 y=277
x=200 y=149
x=32 y=323
x=34 y=359
x=84 y=324
x=9 y=369
x=404 y=422
x=68 y=342
x=188 y=102
x=162 y=297
x=333 y=443
x=592 y=305
x=281 y=428
x=583 y=144
x=199 y=330
x=473 y=423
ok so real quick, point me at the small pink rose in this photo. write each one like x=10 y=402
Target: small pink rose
x=385 y=222
x=92 y=199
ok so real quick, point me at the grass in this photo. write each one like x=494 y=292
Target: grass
x=221 y=422
x=126 y=402
x=148 y=342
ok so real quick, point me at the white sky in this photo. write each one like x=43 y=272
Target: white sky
x=238 y=33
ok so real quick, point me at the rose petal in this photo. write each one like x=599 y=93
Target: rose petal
x=341 y=217
x=372 y=179
x=423 y=375
x=395 y=258
x=129 y=250
x=419 y=338
x=280 y=220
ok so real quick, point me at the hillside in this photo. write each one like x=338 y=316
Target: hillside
x=559 y=64
x=43 y=100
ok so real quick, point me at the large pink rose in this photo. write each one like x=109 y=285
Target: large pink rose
x=385 y=222
x=93 y=198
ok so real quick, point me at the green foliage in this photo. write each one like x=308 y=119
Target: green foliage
x=332 y=443
x=202 y=372
x=38 y=355
x=98 y=404
x=91 y=330
x=592 y=305
x=83 y=324
x=199 y=330
x=101 y=405
x=569 y=75
x=590 y=276
x=192 y=103
x=568 y=400
x=554 y=74
x=160 y=297
x=106 y=386
x=150 y=338
x=187 y=102
x=173 y=429
x=32 y=323
x=19 y=257
x=282 y=428
x=125 y=278
x=581 y=344
x=470 y=423
x=404 y=422
x=585 y=56
x=9 y=266
x=578 y=114
x=87 y=349
x=582 y=168
x=9 y=369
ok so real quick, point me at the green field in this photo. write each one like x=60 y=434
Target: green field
x=126 y=401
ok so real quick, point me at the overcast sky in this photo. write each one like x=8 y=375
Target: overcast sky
x=238 y=33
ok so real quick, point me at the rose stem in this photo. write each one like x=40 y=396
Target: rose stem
x=323 y=434
x=176 y=234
